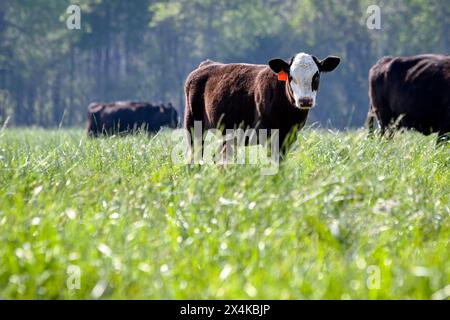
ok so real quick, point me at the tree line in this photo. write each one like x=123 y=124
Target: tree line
x=144 y=49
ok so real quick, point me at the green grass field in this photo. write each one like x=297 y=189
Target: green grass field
x=345 y=218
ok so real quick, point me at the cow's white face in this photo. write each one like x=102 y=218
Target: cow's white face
x=304 y=80
x=304 y=76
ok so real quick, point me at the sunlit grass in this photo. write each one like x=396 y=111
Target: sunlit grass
x=342 y=210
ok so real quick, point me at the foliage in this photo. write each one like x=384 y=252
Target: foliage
x=144 y=49
x=139 y=226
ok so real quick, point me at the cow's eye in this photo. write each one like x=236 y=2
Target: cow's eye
x=315 y=82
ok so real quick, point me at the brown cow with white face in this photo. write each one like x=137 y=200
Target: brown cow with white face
x=274 y=96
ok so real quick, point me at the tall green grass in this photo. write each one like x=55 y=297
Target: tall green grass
x=346 y=217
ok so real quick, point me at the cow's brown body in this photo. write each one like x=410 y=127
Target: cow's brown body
x=240 y=96
x=411 y=92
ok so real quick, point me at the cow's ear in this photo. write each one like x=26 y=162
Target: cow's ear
x=95 y=107
x=329 y=64
x=278 y=65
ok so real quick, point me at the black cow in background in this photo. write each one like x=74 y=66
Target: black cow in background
x=128 y=117
x=412 y=93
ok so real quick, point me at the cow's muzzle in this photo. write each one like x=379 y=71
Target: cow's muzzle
x=305 y=103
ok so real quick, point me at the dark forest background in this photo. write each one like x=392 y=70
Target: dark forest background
x=144 y=49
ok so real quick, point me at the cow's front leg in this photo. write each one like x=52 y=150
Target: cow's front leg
x=271 y=139
x=228 y=150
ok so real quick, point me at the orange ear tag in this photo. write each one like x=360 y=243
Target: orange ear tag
x=282 y=76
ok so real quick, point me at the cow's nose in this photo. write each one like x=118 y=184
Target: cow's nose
x=305 y=102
